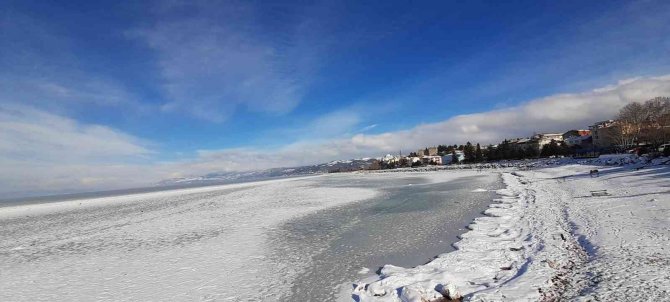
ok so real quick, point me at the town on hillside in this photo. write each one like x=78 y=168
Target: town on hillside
x=639 y=128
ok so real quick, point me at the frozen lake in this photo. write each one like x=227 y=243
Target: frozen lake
x=414 y=220
x=280 y=240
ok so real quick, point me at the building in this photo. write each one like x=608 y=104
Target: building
x=545 y=138
x=432 y=151
x=431 y=160
x=580 y=141
x=390 y=159
x=447 y=159
x=536 y=142
x=603 y=134
x=573 y=133
x=577 y=137
x=522 y=143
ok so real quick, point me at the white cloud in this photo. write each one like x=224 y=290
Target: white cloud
x=42 y=137
x=40 y=151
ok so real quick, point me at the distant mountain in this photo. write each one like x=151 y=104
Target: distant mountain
x=230 y=177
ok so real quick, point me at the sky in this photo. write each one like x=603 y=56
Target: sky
x=98 y=95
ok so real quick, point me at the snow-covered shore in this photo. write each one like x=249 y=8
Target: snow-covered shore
x=547 y=238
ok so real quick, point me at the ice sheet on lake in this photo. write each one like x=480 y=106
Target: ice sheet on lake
x=184 y=245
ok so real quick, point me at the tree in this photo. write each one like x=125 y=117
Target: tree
x=550 y=149
x=413 y=154
x=491 y=153
x=564 y=149
x=426 y=152
x=522 y=153
x=375 y=165
x=442 y=149
x=531 y=152
x=469 y=153
x=479 y=157
x=656 y=127
x=506 y=150
x=404 y=162
x=629 y=124
x=454 y=157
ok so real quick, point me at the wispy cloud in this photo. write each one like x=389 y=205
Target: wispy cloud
x=212 y=68
x=367 y=128
x=38 y=67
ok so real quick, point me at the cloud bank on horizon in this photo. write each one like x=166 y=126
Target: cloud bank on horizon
x=57 y=154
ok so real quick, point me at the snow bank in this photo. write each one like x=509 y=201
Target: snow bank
x=603 y=160
x=548 y=239
x=489 y=255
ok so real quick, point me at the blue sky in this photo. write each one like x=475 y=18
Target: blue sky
x=180 y=88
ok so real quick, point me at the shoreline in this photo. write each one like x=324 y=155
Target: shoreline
x=393 y=282
x=10 y=210
x=545 y=240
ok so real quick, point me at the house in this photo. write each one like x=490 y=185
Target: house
x=577 y=137
x=573 y=133
x=579 y=141
x=447 y=159
x=431 y=160
x=536 y=142
x=522 y=143
x=430 y=151
x=603 y=134
x=412 y=160
x=390 y=159
x=546 y=138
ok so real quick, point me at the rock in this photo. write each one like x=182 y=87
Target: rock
x=451 y=293
x=377 y=290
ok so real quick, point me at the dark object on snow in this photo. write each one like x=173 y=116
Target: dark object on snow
x=595 y=173
x=600 y=193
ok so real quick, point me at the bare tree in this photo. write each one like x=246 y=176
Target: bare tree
x=628 y=126
x=656 y=128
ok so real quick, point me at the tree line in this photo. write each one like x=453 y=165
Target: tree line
x=646 y=123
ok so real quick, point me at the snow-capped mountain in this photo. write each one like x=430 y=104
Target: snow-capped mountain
x=225 y=177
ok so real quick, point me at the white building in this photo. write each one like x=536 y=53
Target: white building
x=388 y=158
x=447 y=159
x=546 y=138
x=431 y=159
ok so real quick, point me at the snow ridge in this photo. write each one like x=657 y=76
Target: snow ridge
x=496 y=250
